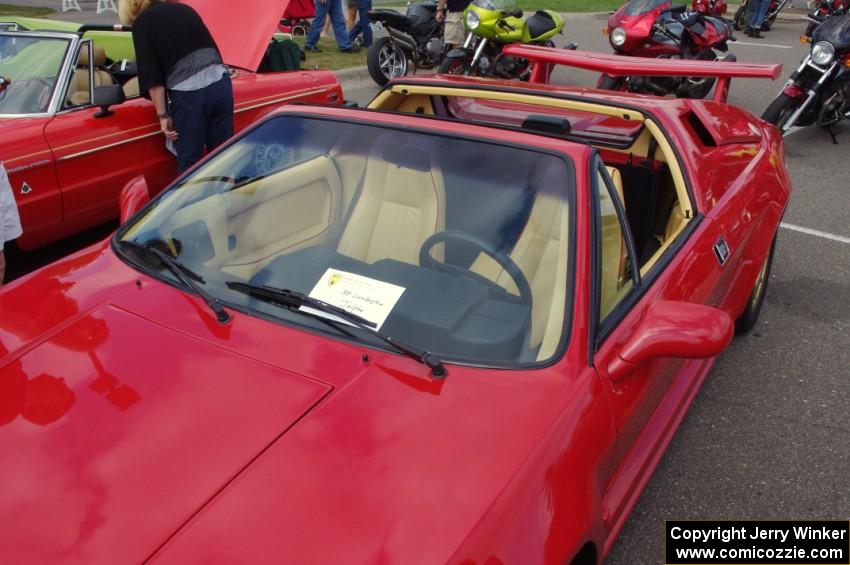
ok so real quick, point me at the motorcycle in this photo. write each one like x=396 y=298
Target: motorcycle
x=492 y=24
x=821 y=10
x=709 y=7
x=652 y=28
x=818 y=92
x=739 y=20
x=414 y=38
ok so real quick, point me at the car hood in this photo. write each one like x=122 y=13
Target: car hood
x=115 y=430
x=133 y=425
x=242 y=35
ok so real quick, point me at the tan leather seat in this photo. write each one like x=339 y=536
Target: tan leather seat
x=399 y=207
x=541 y=254
x=78 y=92
x=131 y=88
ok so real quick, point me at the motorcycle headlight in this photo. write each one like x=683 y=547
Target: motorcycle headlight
x=618 y=36
x=472 y=20
x=823 y=53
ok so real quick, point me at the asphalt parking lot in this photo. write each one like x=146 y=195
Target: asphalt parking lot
x=768 y=437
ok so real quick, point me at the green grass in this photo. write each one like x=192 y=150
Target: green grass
x=29 y=11
x=330 y=59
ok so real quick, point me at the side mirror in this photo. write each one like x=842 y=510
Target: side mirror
x=673 y=329
x=133 y=198
x=106 y=96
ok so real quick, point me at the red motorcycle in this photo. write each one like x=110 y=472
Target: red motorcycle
x=822 y=10
x=654 y=28
x=739 y=21
x=709 y=7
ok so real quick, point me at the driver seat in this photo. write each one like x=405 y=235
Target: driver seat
x=401 y=203
x=78 y=91
x=541 y=252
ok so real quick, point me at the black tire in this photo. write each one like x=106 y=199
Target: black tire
x=780 y=110
x=455 y=66
x=739 y=19
x=607 y=82
x=748 y=318
x=386 y=60
x=706 y=84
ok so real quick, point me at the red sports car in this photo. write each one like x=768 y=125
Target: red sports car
x=67 y=160
x=459 y=326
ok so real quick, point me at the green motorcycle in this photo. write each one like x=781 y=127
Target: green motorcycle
x=492 y=24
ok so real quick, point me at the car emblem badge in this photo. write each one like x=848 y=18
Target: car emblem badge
x=721 y=251
x=25 y=188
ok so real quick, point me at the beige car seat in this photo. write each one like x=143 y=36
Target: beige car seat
x=401 y=204
x=78 y=92
x=131 y=88
x=541 y=253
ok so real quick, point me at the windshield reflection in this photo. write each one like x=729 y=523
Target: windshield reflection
x=31 y=65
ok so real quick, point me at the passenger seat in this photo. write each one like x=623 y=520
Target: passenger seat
x=78 y=92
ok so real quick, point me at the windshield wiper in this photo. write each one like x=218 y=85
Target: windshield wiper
x=186 y=275
x=294 y=300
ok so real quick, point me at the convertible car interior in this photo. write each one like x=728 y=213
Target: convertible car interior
x=477 y=234
x=639 y=159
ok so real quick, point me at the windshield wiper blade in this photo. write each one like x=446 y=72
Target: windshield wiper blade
x=186 y=275
x=294 y=299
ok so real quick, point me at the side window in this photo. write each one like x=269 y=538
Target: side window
x=617 y=275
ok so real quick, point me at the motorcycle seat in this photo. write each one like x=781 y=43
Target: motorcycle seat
x=540 y=23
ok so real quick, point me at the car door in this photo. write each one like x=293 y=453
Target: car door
x=643 y=406
x=97 y=153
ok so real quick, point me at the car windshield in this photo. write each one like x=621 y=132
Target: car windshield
x=30 y=65
x=495 y=4
x=457 y=246
x=638 y=7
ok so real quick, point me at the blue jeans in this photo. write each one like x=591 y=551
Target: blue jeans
x=362 y=25
x=334 y=8
x=758 y=14
x=202 y=119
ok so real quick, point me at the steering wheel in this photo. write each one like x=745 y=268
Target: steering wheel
x=508 y=264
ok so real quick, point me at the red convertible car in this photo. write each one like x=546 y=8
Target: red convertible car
x=458 y=326
x=67 y=160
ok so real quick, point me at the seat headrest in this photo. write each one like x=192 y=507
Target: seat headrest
x=99 y=57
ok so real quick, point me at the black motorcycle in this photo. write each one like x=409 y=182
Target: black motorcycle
x=818 y=92
x=821 y=11
x=414 y=38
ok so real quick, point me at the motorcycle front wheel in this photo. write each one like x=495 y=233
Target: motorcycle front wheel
x=780 y=110
x=386 y=60
x=739 y=21
x=455 y=66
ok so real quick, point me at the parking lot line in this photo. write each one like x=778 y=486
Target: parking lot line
x=816 y=233
x=762 y=45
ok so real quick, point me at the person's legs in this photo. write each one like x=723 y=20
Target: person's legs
x=454 y=33
x=364 y=7
x=753 y=8
x=338 y=22
x=219 y=101
x=316 y=27
x=764 y=6
x=187 y=115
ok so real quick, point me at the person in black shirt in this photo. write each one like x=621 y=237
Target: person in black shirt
x=181 y=72
x=454 y=32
